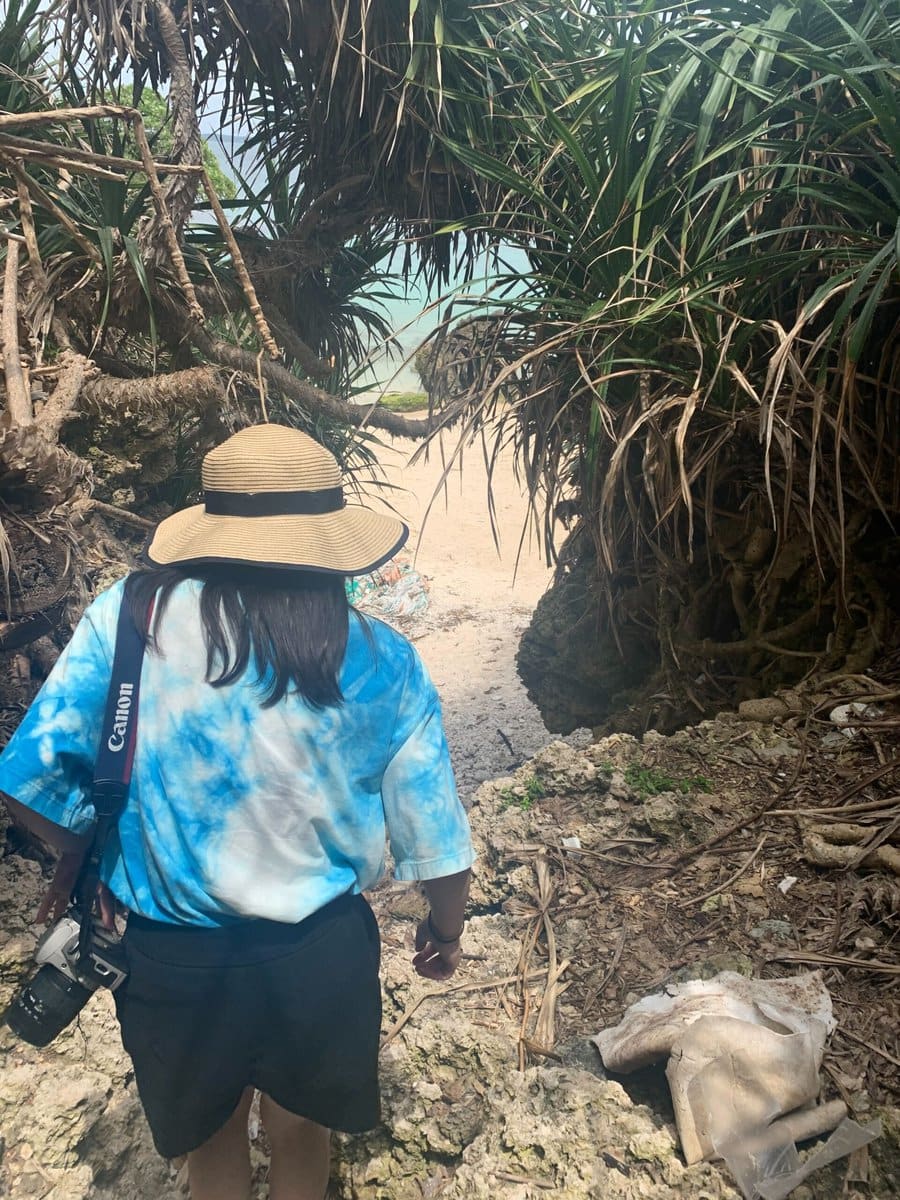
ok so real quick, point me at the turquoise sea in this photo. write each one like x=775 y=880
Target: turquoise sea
x=415 y=312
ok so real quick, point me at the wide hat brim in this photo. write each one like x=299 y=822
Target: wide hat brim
x=350 y=541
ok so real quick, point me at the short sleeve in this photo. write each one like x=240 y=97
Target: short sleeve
x=48 y=764
x=427 y=825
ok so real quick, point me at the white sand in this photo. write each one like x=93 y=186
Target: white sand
x=479 y=603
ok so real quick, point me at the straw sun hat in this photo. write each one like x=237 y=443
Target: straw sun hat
x=273 y=496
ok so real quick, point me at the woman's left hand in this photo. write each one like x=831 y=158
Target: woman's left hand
x=435 y=960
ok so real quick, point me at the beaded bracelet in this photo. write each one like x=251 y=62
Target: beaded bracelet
x=442 y=941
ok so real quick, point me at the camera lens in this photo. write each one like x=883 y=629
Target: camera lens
x=45 y=1006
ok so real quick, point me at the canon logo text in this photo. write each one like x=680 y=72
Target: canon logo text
x=123 y=712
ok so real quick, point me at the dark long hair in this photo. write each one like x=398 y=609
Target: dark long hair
x=290 y=626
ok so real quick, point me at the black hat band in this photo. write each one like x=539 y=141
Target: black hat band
x=274 y=504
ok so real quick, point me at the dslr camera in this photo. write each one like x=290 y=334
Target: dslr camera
x=65 y=979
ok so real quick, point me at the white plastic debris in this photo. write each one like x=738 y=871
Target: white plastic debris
x=571 y=843
x=843 y=715
x=744 y=1058
x=787 y=883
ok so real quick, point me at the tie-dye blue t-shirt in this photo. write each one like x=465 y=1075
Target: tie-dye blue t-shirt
x=237 y=810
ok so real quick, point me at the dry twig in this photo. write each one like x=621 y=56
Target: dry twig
x=508 y=1177
x=837 y=960
x=745 y=866
x=119 y=514
x=879 y=1050
x=482 y=985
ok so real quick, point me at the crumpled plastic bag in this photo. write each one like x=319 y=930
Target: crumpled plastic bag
x=744 y=1060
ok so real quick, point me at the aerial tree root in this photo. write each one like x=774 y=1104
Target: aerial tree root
x=847 y=846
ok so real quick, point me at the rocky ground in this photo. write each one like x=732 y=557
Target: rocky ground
x=492 y=1088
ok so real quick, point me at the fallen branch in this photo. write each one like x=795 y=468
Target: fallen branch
x=482 y=985
x=28 y=229
x=541 y=1051
x=590 y=1001
x=49 y=204
x=195 y=388
x=619 y=862
x=838 y=810
x=64 y=115
x=119 y=514
x=61 y=162
x=72 y=157
x=508 y=1177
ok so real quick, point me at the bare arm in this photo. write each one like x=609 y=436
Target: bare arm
x=448 y=897
x=72 y=848
x=54 y=835
x=438 y=950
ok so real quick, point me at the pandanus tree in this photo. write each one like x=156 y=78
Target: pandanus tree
x=702 y=365
x=140 y=324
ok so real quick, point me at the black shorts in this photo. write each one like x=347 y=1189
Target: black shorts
x=294 y=1010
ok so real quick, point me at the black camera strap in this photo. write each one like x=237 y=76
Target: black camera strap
x=115 y=758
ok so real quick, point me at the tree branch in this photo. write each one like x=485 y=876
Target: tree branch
x=194 y=388
x=187 y=147
x=164 y=220
x=294 y=344
x=18 y=401
x=312 y=398
x=50 y=205
x=28 y=229
x=65 y=395
x=118 y=514
x=73 y=157
x=240 y=269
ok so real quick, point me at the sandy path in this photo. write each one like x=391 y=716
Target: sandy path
x=480 y=601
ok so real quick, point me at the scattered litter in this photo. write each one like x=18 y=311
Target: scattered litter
x=844 y=713
x=787 y=883
x=395 y=592
x=773 y=1171
x=744 y=1060
x=571 y=843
